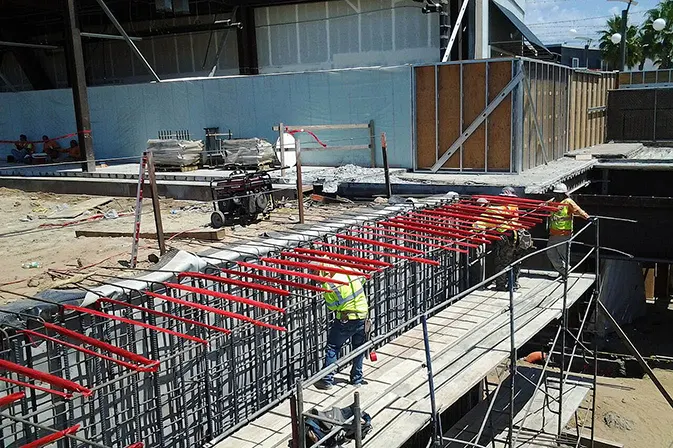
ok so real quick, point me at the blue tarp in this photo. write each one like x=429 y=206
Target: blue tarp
x=125 y=117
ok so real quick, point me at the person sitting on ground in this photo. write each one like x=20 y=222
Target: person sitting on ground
x=50 y=147
x=70 y=154
x=23 y=150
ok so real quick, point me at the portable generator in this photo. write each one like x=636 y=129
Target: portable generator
x=242 y=197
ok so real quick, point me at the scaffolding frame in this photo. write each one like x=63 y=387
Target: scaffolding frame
x=437 y=436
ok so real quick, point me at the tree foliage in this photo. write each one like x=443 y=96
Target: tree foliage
x=642 y=42
x=612 y=52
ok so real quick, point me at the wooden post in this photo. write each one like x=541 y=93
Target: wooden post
x=300 y=186
x=386 y=167
x=155 y=202
x=281 y=142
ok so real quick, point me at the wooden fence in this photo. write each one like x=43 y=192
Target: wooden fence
x=505 y=115
x=588 y=107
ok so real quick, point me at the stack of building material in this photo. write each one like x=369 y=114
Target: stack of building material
x=174 y=152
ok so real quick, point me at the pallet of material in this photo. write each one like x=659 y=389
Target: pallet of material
x=204 y=235
x=174 y=168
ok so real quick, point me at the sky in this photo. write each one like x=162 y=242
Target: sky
x=552 y=20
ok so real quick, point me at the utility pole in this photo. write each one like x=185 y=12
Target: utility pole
x=77 y=77
x=625 y=27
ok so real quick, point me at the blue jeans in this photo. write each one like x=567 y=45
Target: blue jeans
x=338 y=334
x=19 y=154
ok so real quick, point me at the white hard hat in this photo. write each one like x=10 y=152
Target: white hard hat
x=561 y=188
x=482 y=201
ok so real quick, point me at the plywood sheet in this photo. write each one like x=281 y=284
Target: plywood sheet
x=500 y=120
x=449 y=111
x=474 y=93
x=425 y=117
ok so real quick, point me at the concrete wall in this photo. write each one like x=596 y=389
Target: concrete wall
x=124 y=117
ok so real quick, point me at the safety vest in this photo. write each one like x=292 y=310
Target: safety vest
x=348 y=301
x=561 y=221
x=499 y=217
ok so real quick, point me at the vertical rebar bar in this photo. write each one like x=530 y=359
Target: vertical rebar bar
x=357 y=417
x=436 y=423
x=564 y=326
x=598 y=296
x=301 y=443
x=512 y=358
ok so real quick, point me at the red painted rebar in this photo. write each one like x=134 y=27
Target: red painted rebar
x=280 y=281
x=44 y=377
x=314 y=267
x=379 y=263
x=378 y=243
x=330 y=260
x=231 y=281
x=46 y=440
x=531 y=203
x=136 y=445
x=11 y=398
x=520 y=215
x=381 y=254
x=165 y=315
x=466 y=227
x=471 y=217
x=211 y=309
x=224 y=296
x=497 y=221
x=444 y=231
x=444 y=226
x=476 y=209
x=100 y=344
x=407 y=240
x=89 y=352
x=134 y=322
x=415 y=228
x=417 y=235
x=58 y=393
x=316 y=278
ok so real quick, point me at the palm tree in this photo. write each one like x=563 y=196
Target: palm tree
x=658 y=45
x=612 y=52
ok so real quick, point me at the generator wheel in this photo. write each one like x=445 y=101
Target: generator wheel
x=217 y=219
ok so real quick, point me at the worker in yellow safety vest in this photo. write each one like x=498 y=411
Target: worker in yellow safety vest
x=478 y=266
x=503 y=218
x=561 y=227
x=351 y=311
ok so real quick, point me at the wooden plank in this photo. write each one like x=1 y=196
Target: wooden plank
x=425 y=117
x=73 y=211
x=582 y=112
x=474 y=102
x=205 y=235
x=449 y=111
x=500 y=121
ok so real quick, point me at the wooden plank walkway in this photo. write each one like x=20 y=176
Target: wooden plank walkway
x=539 y=427
x=473 y=338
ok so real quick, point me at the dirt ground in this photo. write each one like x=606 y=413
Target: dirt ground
x=27 y=236
x=633 y=412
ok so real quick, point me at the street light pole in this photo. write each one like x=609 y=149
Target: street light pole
x=625 y=20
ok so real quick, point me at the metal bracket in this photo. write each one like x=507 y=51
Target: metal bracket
x=478 y=121
x=537 y=124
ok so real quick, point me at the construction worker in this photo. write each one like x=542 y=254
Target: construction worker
x=501 y=218
x=349 y=305
x=561 y=226
x=50 y=147
x=23 y=150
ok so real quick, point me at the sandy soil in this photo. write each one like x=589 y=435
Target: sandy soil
x=633 y=412
x=24 y=240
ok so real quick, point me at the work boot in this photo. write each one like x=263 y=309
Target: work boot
x=323 y=385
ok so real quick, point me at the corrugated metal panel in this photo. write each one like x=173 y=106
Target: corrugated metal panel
x=345 y=33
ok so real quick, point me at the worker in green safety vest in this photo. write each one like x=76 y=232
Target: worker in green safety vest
x=349 y=304
x=561 y=227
